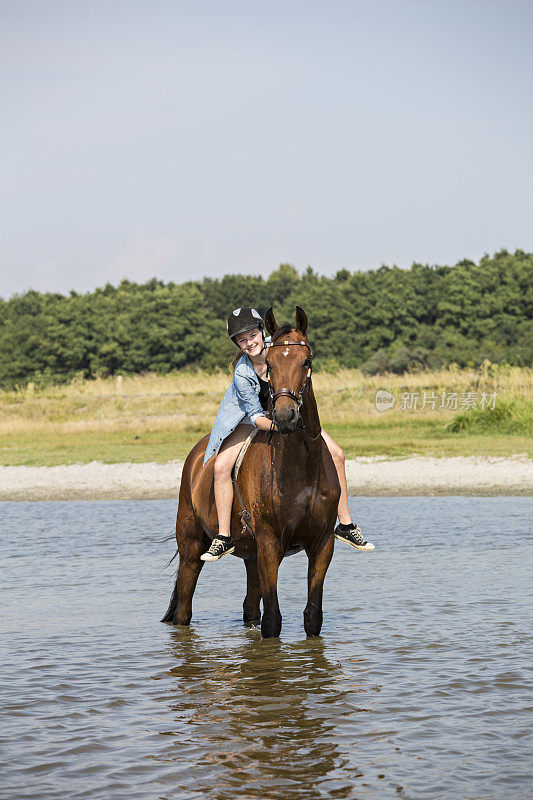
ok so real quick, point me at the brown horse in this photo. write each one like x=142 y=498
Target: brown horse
x=288 y=484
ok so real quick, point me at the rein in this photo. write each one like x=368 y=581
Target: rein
x=298 y=397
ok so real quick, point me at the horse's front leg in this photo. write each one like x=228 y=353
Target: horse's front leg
x=251 y=609
x=319 y=561
x=268 y=560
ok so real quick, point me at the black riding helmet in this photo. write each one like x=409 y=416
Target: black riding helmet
x=244 y=319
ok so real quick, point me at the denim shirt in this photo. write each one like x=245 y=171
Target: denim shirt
x=241 y=400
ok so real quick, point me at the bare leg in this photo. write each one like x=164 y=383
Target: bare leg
x=353 y=537
x=223 y=485
x=337 y=455
x=224 y=499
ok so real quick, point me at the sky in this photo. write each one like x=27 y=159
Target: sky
x=190 y=138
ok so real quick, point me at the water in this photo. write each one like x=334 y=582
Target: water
x=416 y=689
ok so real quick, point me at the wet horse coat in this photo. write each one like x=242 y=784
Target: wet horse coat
x=289 y=487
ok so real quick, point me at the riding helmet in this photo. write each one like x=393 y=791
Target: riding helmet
x=243 y=319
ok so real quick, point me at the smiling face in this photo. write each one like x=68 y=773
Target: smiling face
x=250 y=342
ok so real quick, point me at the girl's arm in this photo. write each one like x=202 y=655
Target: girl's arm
x=248 y=396
x=250 y=401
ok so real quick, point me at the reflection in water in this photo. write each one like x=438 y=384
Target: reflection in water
x=416 y=690
x=265 y=712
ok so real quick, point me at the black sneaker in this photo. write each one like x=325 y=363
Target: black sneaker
x=353 y=537
x=219 y=548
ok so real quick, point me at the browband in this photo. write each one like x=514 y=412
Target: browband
x=290 y=341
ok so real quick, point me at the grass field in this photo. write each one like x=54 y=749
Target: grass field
x=159 y=418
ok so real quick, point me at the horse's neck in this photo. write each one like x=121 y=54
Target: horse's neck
x=309 y=412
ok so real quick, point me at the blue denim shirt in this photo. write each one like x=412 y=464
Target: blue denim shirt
x=241 y=400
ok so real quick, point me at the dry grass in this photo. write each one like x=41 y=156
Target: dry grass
x=153 y=417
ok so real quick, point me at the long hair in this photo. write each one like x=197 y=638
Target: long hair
x=233 y=363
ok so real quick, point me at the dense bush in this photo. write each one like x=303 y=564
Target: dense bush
x=514 y=416
x=385 y=319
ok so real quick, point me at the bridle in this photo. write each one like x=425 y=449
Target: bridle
x=298 y=397
x=286 y=392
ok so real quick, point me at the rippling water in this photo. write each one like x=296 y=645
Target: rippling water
x=416 y=689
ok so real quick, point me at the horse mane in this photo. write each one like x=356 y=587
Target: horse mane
x=283 y=330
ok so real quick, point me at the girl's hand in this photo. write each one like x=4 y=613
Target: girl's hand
x=265 y=424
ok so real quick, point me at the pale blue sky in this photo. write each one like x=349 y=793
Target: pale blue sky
x=189 y=138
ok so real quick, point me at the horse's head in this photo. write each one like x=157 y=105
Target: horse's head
x=289 y=368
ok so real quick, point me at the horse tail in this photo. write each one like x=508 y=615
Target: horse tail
x=173 y=557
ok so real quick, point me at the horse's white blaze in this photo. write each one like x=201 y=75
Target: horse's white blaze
x=286 y=352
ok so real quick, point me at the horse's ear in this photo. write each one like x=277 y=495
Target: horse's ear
x=270 y=322
x=301 y=320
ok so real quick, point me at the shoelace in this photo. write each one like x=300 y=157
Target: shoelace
x=357 y=535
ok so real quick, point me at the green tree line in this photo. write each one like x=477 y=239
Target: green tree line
x=385 y=319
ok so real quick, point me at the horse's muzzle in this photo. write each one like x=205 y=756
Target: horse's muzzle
x=286 y=419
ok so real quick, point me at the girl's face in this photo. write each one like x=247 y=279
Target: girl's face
x=250 y=342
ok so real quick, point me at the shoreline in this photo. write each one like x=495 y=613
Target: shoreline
x=376 y=476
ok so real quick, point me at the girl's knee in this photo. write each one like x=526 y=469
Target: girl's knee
x=337 y=454
x=223 y=467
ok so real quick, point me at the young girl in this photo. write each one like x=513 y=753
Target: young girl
x=243 y=406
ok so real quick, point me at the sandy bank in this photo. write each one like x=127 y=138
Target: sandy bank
x=378 y=476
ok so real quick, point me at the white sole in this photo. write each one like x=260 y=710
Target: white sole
x=363 y=548
x=209 y=557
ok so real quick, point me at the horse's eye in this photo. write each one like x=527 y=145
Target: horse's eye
x=307 y=362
